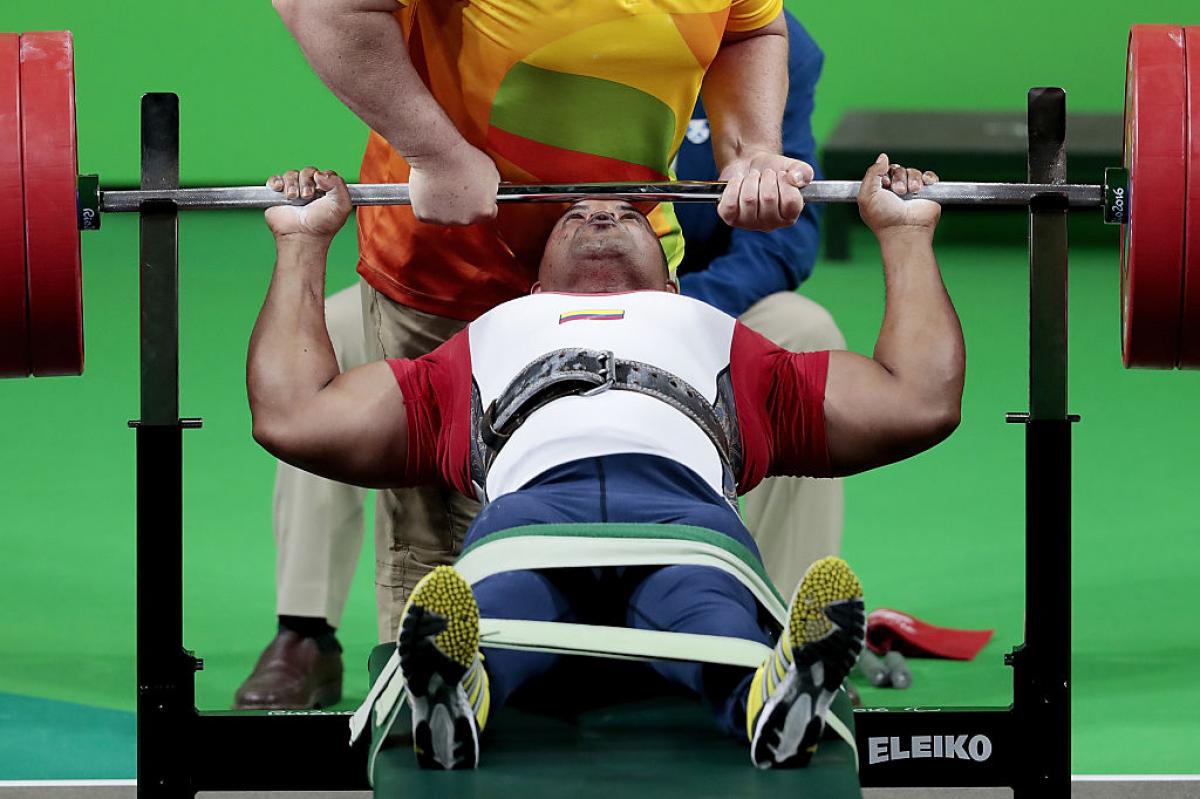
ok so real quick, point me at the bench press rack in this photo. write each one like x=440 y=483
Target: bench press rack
x=181 y=750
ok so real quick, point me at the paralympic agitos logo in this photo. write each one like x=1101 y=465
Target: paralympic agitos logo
x=947 y=747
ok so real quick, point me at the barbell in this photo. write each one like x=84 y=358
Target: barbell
x=686 y=191
x=45 y=203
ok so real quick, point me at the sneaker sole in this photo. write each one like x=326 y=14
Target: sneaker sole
x=829 y=622
x=439 y=637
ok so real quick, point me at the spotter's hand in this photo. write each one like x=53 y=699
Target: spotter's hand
x=881 y=198
x=456 y=187
x=762 y=191
x=325 y=213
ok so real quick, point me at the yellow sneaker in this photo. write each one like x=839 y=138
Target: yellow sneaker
x=442 y=666
x=793 y=689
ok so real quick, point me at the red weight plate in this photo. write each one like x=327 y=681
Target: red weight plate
x=1152 y=242
x=14 y=324
x=51 y=226
x=1189 y=328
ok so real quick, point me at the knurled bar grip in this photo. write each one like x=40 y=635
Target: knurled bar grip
x=821 y=191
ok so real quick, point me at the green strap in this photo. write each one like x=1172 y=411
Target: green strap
x=546 y=549
x=843 y=732
x=623 y=530
x=591 y=640
x=549 y=546
x=386 y=698
x=623 y=643
x=384 y=728
x=358 y=721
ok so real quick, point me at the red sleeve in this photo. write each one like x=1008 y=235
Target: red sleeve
x=780 y=400
x=437 y=402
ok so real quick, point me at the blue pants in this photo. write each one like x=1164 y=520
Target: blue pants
x=692 y=599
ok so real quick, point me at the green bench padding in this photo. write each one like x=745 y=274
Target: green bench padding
x=653 y=747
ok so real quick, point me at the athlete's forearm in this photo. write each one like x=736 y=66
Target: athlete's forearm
x=920 y=341
x=291 y=357
x=357 y=48
x=745 y=91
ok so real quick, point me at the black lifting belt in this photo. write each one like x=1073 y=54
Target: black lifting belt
x=576 y=371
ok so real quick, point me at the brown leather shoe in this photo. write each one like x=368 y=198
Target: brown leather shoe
x=292 y=673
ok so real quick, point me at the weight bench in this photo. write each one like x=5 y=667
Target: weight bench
x=641 y=748
x=595 y=751
x=554 y=546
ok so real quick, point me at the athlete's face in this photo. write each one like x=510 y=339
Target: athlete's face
x=601 y=246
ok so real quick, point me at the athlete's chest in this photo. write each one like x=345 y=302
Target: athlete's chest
x=681 y=336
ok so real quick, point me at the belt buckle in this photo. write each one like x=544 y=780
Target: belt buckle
x=608 y=371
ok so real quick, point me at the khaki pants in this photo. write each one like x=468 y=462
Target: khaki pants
x=319 y=523
x=415 y=528
x=794 y=520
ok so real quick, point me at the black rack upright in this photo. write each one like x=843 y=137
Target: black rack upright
x=1025 y=746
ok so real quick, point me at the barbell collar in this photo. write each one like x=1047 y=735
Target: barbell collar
x=821 y=191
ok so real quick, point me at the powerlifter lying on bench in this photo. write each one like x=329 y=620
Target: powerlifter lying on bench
x=606 y=397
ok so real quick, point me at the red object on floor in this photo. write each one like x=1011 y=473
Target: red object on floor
x=894 y=631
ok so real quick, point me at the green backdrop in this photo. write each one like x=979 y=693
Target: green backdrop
x=939 y=536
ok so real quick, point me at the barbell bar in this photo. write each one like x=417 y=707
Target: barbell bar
x=1155 y=197
x=820 y=191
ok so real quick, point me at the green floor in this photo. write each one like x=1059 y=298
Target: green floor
x=940 y=536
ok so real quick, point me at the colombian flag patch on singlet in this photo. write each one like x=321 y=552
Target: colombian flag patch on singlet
x=594 y=314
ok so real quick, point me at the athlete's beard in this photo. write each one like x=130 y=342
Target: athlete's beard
x=601 y=241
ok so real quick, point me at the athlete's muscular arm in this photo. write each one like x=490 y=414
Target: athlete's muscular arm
x=349 y=427
x=358 y=50
x=745 y=90
x=908 y=396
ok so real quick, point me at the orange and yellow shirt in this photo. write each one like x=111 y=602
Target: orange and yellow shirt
x=554 y=91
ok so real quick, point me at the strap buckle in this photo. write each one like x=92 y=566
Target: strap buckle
x=608 y=371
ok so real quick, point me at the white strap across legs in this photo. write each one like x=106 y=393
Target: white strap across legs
x=570 y=551
x=388 y=694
